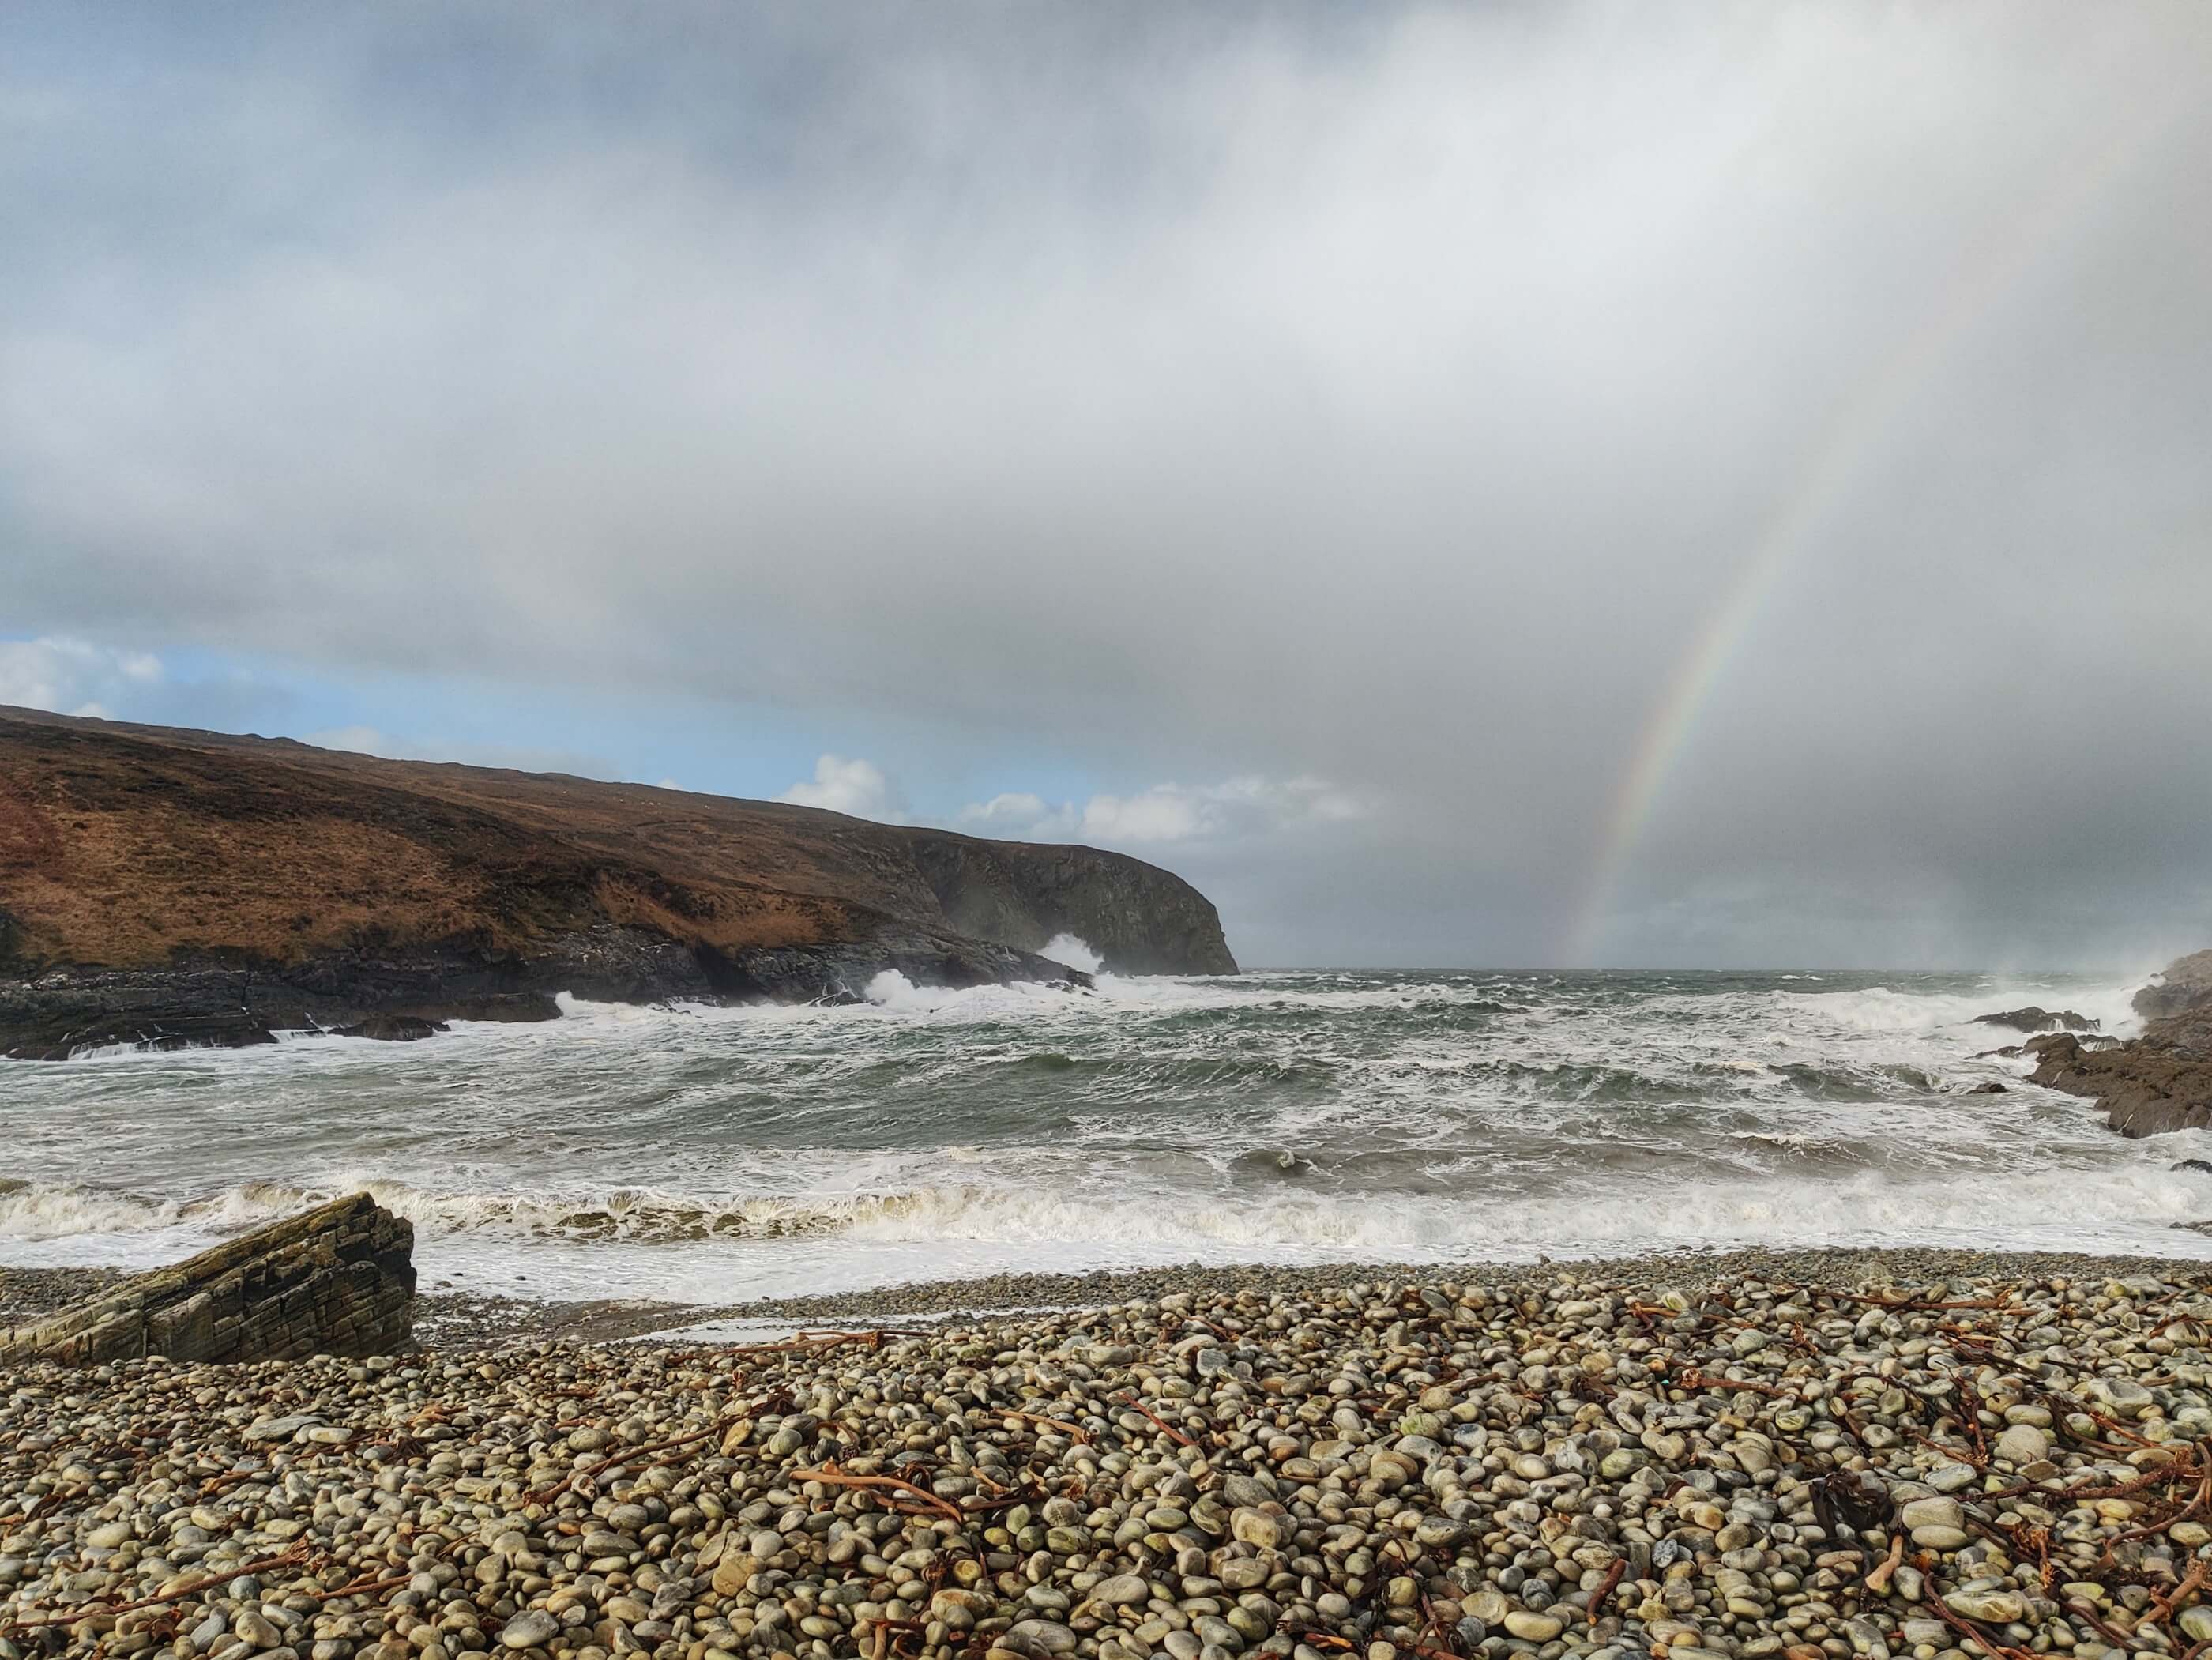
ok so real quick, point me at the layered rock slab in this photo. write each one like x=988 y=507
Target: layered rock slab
x=337 y=1279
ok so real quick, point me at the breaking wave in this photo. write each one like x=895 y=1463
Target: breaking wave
x=1880 y=1008
x=1074 y=952
x=1298 y=1117
x=1297 y=1216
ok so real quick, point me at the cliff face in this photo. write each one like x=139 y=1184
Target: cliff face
x=1138 y=918
x=179 y=886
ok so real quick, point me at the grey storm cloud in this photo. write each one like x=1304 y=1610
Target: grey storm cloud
x=1714 y=482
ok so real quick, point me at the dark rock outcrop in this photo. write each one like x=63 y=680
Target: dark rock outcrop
x=2184 y=984
x=2159 y=1081
x=176 y=888
x=2033 y=1018
x=204 y=1001
x=55 y=1015
x=389 y=1028
x=339 y=1279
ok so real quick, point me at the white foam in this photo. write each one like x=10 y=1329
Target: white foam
x=1074 y=952
x=2069 y=1192
x=891 y=989
x=719 y=1152
x=1881 y=1008
x=1111 y=994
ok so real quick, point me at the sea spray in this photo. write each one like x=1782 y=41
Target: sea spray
x=1074 y=952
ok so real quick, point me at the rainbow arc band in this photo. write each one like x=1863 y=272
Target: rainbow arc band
x=1833 y=464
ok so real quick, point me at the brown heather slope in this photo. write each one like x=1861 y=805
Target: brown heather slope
x=173 y=886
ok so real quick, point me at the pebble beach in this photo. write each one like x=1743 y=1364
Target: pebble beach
x=1801 y=1456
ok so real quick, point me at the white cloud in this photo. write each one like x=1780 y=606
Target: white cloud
x=1236 y=808
x=1165 y=812
x=1021 y=818
x=519 y=757
x=857 y=788
x=71 y=676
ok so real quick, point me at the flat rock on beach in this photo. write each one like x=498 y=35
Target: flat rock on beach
x=1580 y=1462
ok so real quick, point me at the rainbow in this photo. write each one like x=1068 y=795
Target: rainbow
x=1832 y=465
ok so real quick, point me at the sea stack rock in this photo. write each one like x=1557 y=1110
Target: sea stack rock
x=339 y=1279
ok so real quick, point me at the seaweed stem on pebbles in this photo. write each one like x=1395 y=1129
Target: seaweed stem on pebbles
x=546 y=1495
x=1158 y=1422
x=830 y=1475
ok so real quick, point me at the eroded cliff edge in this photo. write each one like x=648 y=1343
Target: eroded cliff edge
x=170 y=886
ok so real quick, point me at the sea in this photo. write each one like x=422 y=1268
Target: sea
x=719 y=1155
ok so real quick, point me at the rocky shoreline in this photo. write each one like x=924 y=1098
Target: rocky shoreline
x=58 y=1013
x=450 y=1319
x=2157 y=1081
x=1796 y=1455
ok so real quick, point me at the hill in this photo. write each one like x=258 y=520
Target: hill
x=173 y=886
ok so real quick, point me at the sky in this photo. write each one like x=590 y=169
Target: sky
x=1498 y=484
